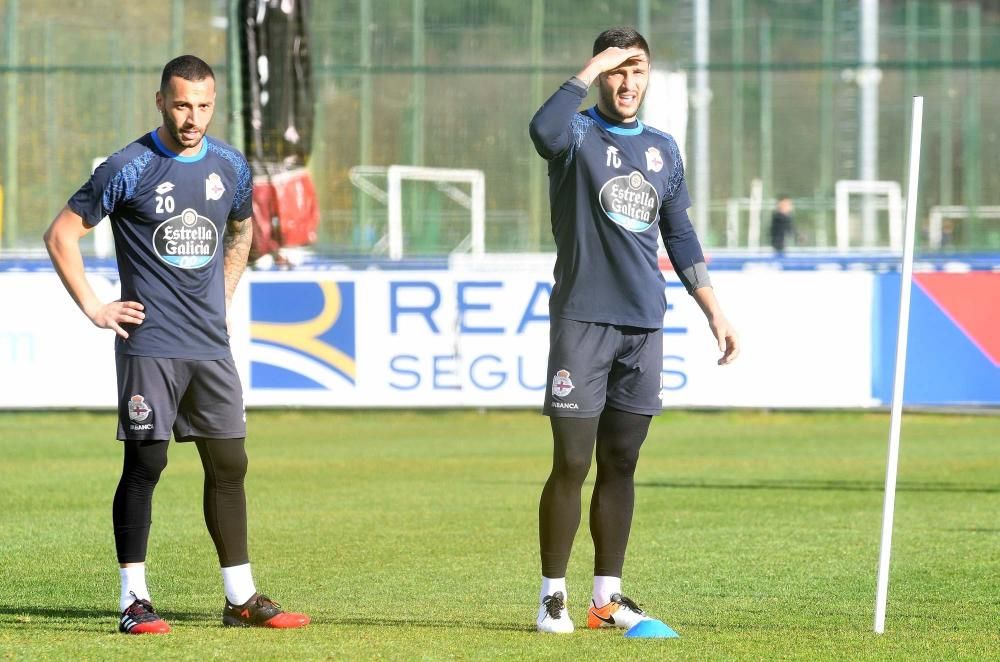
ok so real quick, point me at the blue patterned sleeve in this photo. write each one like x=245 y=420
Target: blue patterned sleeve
x=554 y=129
x=112 y=183
x=243 y=198
x=679 y=237
x=676 y=197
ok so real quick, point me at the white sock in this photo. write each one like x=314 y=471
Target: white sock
x=133 y=581
x=604 y=588
x=550 y=586
x=238 y=583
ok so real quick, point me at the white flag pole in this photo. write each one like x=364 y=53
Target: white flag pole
x=896 y=417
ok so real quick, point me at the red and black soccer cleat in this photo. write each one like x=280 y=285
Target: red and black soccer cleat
x=141 y=618
x=262 y=612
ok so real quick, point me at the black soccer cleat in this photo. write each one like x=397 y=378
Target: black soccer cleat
x=262 y=612
x=141 y=618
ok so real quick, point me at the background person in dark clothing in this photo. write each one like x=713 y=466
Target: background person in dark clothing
x=781 y=224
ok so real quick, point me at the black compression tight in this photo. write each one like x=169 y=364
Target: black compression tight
x=619 y=436
x=225 y=503
x=133 y=504
x=225 y=464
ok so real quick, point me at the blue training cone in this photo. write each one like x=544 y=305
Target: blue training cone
x=650 y=628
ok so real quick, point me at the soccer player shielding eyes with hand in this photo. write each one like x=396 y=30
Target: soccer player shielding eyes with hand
x=614 y=183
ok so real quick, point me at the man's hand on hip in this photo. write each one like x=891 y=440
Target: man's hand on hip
x=115 y=313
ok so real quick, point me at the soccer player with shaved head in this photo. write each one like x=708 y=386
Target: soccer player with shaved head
x=614 y=185
x=179 y=204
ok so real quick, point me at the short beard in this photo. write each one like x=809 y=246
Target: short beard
x=175 y=131
x=609 y=102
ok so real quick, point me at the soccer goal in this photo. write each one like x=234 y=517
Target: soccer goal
x=892 y=194
x=754 y=206
x=368 y=180
x=475 y=202
x=935 y=230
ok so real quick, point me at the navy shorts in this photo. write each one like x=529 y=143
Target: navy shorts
x=193 y=398
x=592 y=365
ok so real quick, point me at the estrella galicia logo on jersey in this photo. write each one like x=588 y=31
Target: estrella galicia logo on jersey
x=188 y=241
x=138 y=410
x=302 y=335
x=630 y=201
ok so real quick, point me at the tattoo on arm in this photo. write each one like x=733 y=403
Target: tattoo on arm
x=236 y=248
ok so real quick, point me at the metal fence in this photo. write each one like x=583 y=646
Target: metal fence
x=453 y=84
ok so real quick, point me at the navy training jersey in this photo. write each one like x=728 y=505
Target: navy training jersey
x=612 y=187
x=168 y=214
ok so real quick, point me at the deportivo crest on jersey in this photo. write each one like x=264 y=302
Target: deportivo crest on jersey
x=214 y=188
x=188 y=241
x=165 y=187
x=654 y=160
x=138 y=410
x=562 y=385
x=630 y=201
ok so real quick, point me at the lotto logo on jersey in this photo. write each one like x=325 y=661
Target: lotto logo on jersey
x=630 y=201
x=187 y=241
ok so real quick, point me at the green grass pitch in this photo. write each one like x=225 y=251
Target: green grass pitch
x=414 y=535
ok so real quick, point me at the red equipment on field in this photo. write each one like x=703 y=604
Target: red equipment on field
x=278 y=109
x=285 y=212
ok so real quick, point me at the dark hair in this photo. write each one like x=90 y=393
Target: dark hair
x=623 y=37
x=187 y=67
